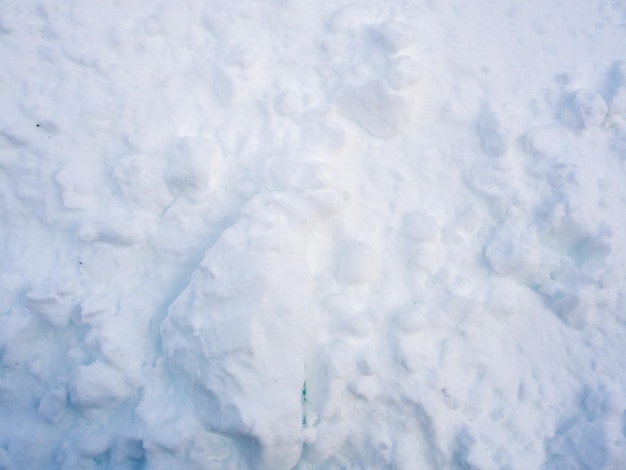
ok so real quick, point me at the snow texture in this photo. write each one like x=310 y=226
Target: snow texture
x=312 y=235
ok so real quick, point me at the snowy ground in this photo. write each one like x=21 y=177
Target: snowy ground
x=277 y=234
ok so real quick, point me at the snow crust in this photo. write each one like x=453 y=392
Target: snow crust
x=312 y=235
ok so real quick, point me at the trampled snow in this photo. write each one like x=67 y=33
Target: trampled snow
x=334 y=235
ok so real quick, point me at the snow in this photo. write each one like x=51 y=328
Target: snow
x=281 y=234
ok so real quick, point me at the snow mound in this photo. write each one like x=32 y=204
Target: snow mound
x=240 y=333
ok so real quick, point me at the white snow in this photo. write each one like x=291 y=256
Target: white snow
x=313 y=235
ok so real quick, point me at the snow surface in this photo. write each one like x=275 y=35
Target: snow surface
x=278 y=234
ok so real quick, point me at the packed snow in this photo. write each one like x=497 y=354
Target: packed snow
x=314 y=235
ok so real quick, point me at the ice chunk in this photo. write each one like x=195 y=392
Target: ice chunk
x=241 y=331
x=98 y=385
x=381 y=113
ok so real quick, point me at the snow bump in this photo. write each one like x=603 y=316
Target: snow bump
x=380 y=112
x=98 y=385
